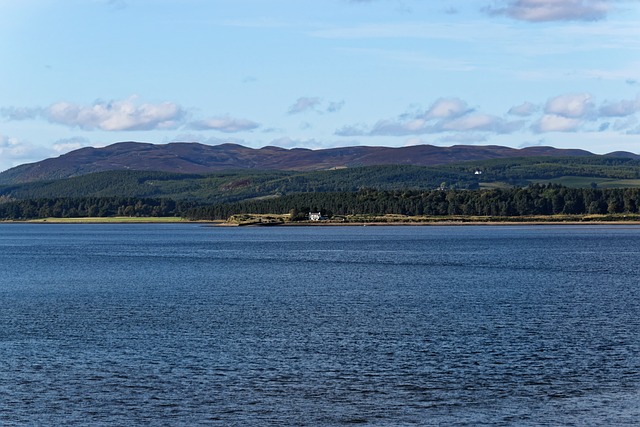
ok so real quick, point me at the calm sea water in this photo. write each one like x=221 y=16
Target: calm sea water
x=319 y=326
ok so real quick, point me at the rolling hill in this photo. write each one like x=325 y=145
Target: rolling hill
x=195 y=158
x=246 y=184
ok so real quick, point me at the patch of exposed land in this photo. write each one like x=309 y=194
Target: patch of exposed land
x=106 y=220
x=355 y=220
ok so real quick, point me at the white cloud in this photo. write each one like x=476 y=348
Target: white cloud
x=225 y=124
x=116 y=115
x=446 y=108
x=570 y=105
x=556 y=123
x=14 y=152
x=444 y=115
x=554 y=10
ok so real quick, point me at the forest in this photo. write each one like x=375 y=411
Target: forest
x=592 y=185
x=235 y=186
x=536 y=199
x=100 y=207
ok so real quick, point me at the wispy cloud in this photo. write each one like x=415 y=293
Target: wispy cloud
x=286 y=142
x=303 y=104
x=116 y=4
x=523 y=110
x=464 y=138
x=456 y=121
x=352 y=130
x=405 y=30
x=207 y=139
x=481 y=122
x=69 y=144
x=225 y=124
x=553 y=10
x=417 y=59
x=20 y=113
x=443 y=116
x=313 y=103
x=624 y=124
x=335 y=106
x=622 y=108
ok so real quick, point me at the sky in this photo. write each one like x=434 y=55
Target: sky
x=318 y=73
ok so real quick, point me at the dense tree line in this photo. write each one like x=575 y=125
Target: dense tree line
x=533 y=200
x=92 y=207
x=234 y=186
x=521 y=169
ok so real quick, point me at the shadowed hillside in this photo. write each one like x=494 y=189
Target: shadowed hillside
x=195 y=158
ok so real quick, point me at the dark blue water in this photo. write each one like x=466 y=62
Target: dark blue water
x=320 y=326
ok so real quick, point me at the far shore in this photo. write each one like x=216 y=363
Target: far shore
x=275 y=220
x=427 y=224
x=376 y=221
x=110 y=220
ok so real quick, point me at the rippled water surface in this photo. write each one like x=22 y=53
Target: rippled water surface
x=320 y=326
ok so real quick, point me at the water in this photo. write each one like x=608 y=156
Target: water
x=320 y=326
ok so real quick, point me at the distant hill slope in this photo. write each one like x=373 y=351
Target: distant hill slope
x=194 y=158
x=230 y=186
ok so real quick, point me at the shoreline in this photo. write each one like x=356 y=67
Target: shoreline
x=435 y=223
x=109 y=220
x=457 y=222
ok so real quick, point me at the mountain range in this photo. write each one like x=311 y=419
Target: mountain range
x=195 y=158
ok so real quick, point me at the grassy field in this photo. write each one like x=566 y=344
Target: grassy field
x=472 y=219
x=585 y=182
x=571 y=182
x=273 y=219
x=276 y=219
x=494 y=185
x=105 y=220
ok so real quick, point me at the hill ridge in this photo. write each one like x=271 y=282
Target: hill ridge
x=194 y=157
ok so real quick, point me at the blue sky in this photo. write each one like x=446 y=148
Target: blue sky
x=318 y=73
